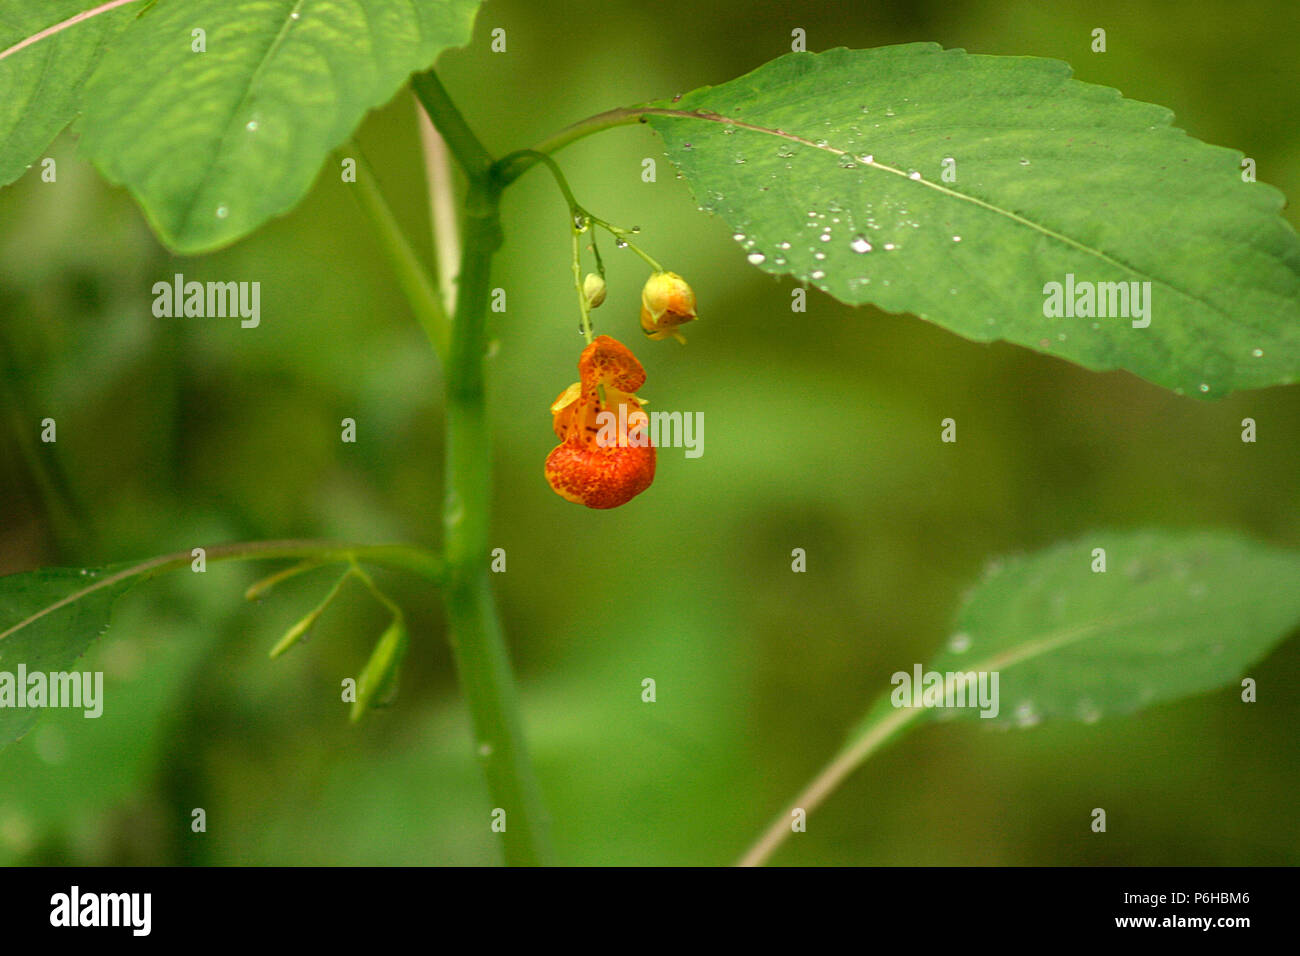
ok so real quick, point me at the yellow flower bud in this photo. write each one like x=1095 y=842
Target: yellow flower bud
x=666 y=302
x=593 y=287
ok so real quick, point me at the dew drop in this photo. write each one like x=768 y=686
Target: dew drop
x=889 y=247
x=783 y=245
x=1203 y=387
x=620 y=243
x=1024 y=162
x=860 y=244
x=819 y=256
x=914 y=175
x=1087 y=711
x=956 y=238
x=1026 y=716
x=223 y=211
x=755 y=258
x=1258 y=353
x=251 y=126
x=867 y=158
x=738 y=236
x=295 y=15
x=825 y=237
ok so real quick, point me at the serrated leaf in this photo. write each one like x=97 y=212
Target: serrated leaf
x=1173 y=615
x=48 y=618
x=829 y=167
x=213 y=144
x=40 y=84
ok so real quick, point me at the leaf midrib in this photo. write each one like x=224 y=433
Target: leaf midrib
x=990 y=207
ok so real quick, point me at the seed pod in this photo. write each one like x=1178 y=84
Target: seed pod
x=377 y=685
x=296 y=633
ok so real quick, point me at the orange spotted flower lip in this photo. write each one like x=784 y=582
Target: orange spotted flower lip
x=602 y=461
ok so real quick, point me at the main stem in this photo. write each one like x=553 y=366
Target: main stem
x=477 y=639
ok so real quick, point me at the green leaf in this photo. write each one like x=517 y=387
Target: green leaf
x=40 y=84
x=61 y=782
x=213 y=144
x=1173 y=614
x=48 y=618
x=1054 y=177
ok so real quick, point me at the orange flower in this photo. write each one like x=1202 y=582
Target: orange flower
x=604 y=458
x=666 y=302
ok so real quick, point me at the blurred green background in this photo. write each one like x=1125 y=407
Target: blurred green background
x=822 y=432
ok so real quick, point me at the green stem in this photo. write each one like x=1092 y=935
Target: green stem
x=882 y=730
x=580 y=218
x=400 y=557
x=412 y=274
x=575 y=208
x=468 y=150
x=477 y=638
x=511 y=167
